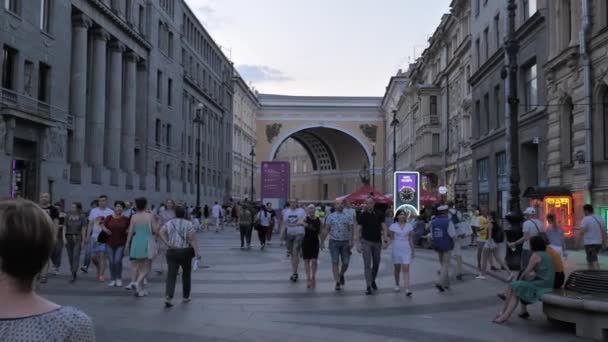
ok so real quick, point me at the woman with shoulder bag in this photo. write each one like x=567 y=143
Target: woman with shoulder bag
x=262 y=224
x=180 y=237
x=142 y=244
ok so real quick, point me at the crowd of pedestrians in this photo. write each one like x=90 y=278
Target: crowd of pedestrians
x=167 y=236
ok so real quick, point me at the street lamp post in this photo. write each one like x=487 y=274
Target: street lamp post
x=394 y=124
x=374 y=166
x=198 y=121
x=252 y=154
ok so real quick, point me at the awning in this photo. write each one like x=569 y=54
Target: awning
x=541 y=192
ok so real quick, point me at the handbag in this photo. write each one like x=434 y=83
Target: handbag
x=152 y=245
x=102 y=237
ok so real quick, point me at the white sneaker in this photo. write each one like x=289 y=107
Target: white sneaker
x=480 y=277
x=119 y=283
x=131 y=286
x=54 y=271
x=145 y=281
x=397 y=289
x=112 y=283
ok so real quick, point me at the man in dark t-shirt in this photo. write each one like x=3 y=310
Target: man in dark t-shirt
x=45 y=204
x=371 y=239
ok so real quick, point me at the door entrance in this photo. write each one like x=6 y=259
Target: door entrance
x=24 y=170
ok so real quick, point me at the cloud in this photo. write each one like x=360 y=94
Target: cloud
x=261 y=73
x=210 y=18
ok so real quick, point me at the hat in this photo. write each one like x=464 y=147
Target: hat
x=443 y=208
x=530 y=211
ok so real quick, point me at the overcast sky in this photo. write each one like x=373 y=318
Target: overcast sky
x=320 y=47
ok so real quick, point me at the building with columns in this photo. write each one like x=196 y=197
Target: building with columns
x=105 y=102
x=246 y=107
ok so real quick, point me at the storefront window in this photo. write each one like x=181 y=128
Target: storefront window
x=483 y=183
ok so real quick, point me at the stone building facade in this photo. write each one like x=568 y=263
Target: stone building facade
x=576 y=75
x=390 y=100
x=246 y=107
x=490 y=179
x=104 y=102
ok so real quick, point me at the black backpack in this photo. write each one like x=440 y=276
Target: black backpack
x=497 y=234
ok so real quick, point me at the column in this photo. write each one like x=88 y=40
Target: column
x=114 y=112
x=97 y=107
x=127 y=153
x=78 y=94
x=141 y=118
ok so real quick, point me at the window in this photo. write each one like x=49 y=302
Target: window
x=531 y=87
x=28 y=71
x=170 y=45
x=497 y=30
x=477 y=6
x=497 y=108
x=502 y=180
x=141 y=19
x=486 y=43
x=566 y=131
x=435 y=144
x=44 y=80
x=325 y=192
x=159 y=85
x=477 y=118
x=467 y=75
x=12 y=5
x=160 y=34
x=45 y=15
x=168 y=137
x=483 y=182
x=564 y=24
x=157 y=176
x=184 y=57
x=9 y=59
x=168 y=177
x=478 y=52
x=128 y=10
x=169 y=92
x=485 y=117
x=157 y=132
x=433 y=105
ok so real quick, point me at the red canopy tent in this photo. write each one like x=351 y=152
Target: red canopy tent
x=428 y=198
x=363 y=193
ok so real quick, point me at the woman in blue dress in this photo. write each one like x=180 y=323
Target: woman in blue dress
x=541 y=274
x=142 y=244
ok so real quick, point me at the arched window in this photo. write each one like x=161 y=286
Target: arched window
x=566 y=131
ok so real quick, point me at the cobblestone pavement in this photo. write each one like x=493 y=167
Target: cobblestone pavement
x=246 y=296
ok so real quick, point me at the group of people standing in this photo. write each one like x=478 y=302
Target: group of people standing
x=107 y=235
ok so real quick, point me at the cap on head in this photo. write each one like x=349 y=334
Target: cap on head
x=530 y=211
x=443 y=208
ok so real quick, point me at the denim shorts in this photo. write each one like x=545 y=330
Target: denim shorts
x=339 y=249
x=294 y=243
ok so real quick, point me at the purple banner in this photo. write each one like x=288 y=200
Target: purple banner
x=275 y=180
x=407 y=191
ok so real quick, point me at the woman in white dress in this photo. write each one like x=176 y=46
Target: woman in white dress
x=400 y=233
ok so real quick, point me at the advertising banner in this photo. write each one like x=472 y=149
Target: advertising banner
x=275 y=182
x=407 y=191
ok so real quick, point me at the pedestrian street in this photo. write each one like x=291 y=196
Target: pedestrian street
x=246 y=295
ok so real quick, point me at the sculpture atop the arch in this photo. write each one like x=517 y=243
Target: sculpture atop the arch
x=272 y=131
x=369 y=131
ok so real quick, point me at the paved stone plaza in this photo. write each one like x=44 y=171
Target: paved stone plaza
x=246 y=296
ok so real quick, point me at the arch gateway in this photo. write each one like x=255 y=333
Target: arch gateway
x=331 y=140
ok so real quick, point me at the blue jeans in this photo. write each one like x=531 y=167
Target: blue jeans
x=115 y=255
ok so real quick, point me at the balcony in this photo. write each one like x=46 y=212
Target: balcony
x=33 y=108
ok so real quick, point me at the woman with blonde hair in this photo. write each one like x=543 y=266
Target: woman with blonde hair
x=26 y=242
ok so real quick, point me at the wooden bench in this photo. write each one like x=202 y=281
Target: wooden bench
x=583 y=302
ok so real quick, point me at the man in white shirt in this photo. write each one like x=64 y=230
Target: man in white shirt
x=293 y=230
x=593 y=234
x=216 y=213
x=532 y=226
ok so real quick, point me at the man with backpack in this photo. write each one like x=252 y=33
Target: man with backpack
x=458 y=223
x=443 y=234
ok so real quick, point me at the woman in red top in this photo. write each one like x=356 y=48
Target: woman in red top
x=116 y=226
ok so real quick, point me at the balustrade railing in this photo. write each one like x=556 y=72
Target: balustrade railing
x=34 y=107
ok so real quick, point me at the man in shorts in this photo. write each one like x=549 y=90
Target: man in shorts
x=293 y=229
x=339 y=227
x=593 y=233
